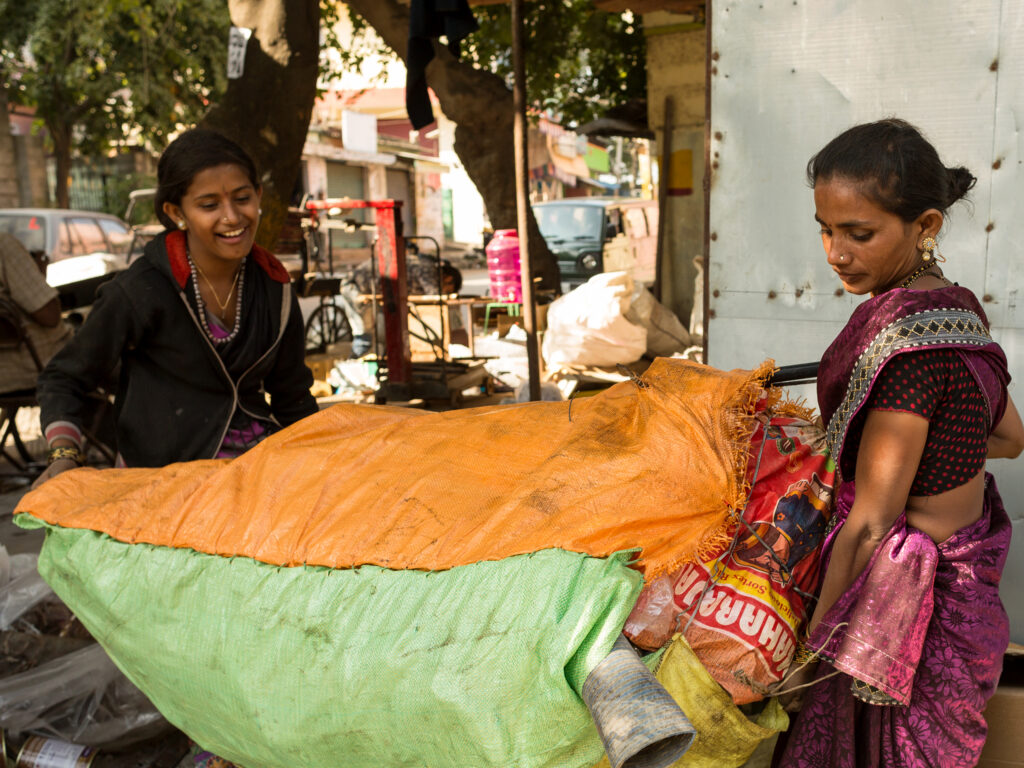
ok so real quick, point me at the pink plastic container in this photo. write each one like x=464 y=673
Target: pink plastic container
x=503 y=266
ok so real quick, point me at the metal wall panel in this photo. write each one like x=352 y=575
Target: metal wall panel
x=787 y=76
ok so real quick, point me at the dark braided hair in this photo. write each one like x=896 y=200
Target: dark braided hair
x=897 y=167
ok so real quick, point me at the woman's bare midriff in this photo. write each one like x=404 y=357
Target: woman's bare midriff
x=942 y=515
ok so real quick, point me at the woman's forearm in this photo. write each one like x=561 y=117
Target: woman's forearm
x=851 y=552
x=1007 y=439
x=1002 y=448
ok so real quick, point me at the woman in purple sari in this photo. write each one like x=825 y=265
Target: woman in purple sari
x=906 y=642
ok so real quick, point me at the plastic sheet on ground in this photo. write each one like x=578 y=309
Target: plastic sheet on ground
x=21 y=586
x=80 y=697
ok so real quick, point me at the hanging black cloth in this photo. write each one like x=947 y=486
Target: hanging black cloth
x=429 y=19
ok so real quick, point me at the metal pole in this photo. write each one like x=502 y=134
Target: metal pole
x=664 y=174
x=709 y=38
x=394 y=294
x=523 y=197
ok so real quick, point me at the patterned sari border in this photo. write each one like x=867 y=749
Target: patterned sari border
x=927 y=328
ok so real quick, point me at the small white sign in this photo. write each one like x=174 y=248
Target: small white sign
x=238 y=41
x=358 y=131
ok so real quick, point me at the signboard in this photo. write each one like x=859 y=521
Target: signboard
x=238 y=41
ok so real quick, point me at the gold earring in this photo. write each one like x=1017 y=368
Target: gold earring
x=182 y=225
x=930 y=250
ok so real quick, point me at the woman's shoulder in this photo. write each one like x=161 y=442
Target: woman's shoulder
x=901 y=304
x=270 y=265
x=141 y=274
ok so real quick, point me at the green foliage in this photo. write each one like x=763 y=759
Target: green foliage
x=579 y=60
x=118 y=189
x=110 y=72
x=338 y=55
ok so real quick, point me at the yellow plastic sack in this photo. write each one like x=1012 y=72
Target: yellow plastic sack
x=655 y=464
x=726 y=738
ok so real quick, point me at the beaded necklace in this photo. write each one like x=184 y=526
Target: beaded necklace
x=916 y=274
x=202 y=304
x=919 y=272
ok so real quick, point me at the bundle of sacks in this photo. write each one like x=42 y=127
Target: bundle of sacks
x=607 y=321
x=741 y=609
x=407 y=588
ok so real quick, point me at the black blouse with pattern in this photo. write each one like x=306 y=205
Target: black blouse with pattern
x=937 y=385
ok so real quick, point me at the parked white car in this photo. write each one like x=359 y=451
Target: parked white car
x=82 y=248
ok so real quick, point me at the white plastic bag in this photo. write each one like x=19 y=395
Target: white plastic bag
x=666 y=335
x=588 y=326
x=549 y=392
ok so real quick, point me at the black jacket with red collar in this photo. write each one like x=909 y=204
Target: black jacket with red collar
x=175 y=395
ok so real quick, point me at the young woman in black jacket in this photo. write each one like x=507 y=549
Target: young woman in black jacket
x=205 y=327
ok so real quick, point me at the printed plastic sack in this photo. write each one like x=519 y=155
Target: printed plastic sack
x=588 y=326
x=741 y=610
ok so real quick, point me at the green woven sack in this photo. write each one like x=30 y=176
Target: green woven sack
x=269 y=666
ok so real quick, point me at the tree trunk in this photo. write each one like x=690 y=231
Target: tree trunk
x=480 y=104
x=267 y=110
x=60 y=135
x=9 y=197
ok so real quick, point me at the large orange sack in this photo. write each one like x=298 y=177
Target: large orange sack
x=657 y=463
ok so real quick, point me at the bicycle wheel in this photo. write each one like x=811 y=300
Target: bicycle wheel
x=325 y=326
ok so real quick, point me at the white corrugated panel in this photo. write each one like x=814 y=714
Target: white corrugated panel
x=788 y=76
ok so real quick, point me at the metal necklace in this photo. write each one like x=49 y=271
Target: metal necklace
x=239 y=282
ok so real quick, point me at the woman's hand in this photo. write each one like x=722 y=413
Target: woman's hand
x=60 y=465
x=791 y=693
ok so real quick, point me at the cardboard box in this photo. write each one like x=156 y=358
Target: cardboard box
x=1005 y=716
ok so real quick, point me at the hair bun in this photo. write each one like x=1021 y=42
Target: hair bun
x=960 y=183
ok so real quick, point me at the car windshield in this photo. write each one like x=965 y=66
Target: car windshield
x=30 y=230
x=140 y=212
x=561 y=223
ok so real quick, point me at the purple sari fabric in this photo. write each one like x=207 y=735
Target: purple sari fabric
x=876 y=630
x=913 y=649
x=899 y=322
x=946 y=663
